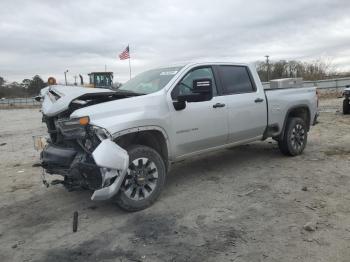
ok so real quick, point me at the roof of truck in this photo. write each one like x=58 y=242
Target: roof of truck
x=204 y=62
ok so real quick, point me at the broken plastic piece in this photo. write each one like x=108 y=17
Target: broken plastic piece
x=75 y=221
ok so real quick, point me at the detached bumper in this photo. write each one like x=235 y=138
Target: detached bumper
x=111 y=163
x=114 y=162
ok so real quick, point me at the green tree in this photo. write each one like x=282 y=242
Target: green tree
x=26 y=83
x=2 y=81
x=35 y=85
x=2 y=87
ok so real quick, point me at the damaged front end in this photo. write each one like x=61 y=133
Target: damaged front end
x=85 y=156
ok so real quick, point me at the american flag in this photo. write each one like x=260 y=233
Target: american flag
x=125 y=54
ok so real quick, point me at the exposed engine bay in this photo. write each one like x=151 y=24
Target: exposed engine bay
x=83 y=154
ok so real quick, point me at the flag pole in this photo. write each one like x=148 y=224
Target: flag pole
x=129 y=63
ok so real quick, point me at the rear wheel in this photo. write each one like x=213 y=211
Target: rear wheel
x=346 y=106
x=144 y=180
x=294 y=139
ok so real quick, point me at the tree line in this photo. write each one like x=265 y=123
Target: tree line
x=309 y=71
x=27 y=88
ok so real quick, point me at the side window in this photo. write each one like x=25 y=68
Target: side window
x=235 y=80
x=185 y=86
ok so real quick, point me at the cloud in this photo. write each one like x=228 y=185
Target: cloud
x=48 y=37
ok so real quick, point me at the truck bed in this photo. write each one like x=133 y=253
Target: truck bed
x=282 y=100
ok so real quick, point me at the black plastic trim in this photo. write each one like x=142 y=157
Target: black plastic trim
x=290 y=110
x=57 y=157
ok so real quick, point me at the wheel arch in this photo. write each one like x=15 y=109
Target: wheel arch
x=151 y=136
x=302 y=111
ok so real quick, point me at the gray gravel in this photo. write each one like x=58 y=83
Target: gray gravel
x=241 y=204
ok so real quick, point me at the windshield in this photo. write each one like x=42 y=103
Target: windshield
x=150 y=81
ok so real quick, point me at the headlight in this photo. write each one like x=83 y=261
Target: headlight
x=73 y=128
x=74 y=122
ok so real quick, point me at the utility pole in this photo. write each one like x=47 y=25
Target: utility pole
x=65 y=76
x=268 y=67
x=75 y=80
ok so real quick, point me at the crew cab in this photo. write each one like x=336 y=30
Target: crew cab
x=121 y=144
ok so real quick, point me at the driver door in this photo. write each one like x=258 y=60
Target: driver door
x=200 y=125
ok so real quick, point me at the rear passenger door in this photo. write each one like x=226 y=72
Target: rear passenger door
x=247 y=112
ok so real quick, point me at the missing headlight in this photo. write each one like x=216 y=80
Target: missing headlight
x=101 y=133
x=95 y=135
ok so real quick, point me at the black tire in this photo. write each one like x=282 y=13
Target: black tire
x=143 y=182
x=346 y=107
x=294 y=139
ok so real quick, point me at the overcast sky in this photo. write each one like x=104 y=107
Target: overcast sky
x=47 y=37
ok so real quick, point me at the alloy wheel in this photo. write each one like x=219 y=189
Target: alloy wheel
x=141 y=179
x=298 y=137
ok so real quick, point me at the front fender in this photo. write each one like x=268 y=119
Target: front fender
x=113 y=161
x=146 y=128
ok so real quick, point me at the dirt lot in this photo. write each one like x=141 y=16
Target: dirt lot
x=243 y=204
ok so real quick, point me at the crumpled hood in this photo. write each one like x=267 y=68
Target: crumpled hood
x=57 y=98
x=120 y=114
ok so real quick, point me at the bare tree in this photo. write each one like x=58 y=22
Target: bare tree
x=315 y=70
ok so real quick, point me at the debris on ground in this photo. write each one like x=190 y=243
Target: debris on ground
x=75 y=221
x=310 y=226
x=248 y=192
x=310 y=207
x=304 y=188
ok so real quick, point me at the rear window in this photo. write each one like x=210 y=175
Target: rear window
x=235 y=79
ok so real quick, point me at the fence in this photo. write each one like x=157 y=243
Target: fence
x=18 y=102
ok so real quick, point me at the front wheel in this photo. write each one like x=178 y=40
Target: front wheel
x=144 y=180
x=294 y=139
x=346 y=106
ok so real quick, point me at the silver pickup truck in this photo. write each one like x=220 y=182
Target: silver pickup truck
x=121 y=143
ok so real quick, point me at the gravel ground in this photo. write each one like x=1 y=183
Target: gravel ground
x=242 y=204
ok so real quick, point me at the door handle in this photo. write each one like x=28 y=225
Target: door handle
x=259 y=100
x=218 y=105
